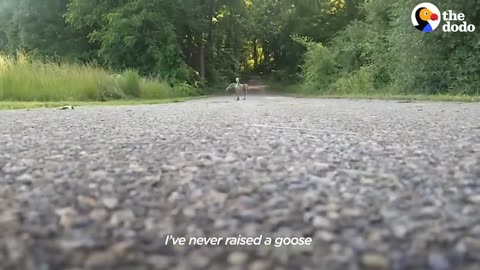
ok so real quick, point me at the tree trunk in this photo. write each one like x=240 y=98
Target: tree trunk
x=266 y=59
x=255 y=55
x=202 y=59
x=210 y=44
x=210 y=21
x=188 y=52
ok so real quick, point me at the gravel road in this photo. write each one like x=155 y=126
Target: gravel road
x=375 y=184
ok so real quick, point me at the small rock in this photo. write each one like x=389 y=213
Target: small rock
x=100 y=259
x=109 y=257
x=66 y=216
x=475 y=199
x=86 y=201
x=259 y=265
x=198 y=261
x=237 y=258
x=69 y=245
x=261 y=162
x=352 y=212
x=428 y=212
x=358 y=243
x=475 y=230
x=375 y=261
x=92 y=186
x=25 y=179
x=15 y=249
x=320 y=169
x=216 y=197
x=137 y=168
x=153 y=179
x=168 y=168
x=399 y=231
x=472 y=246
x=159 y=262
x=438 y=262
x=367 y=181
x=110 y=202
x=325 y=236
x=321 y=222
x=98 y=175
x=32 y=218
x=460 y=249
x=121 y=248
x=98 y=214
x=122 y=217
x=333 y=215
x=173 y=196
x=107 y=188
x=230 y=158
x=189 y=212
x=13 y=169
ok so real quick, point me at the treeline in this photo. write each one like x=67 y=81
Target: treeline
x=330 y=46
x=381 y=52
x=199 y=41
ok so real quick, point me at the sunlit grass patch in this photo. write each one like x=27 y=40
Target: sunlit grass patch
x=24 y=79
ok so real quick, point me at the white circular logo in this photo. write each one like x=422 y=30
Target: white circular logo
x=426 y=17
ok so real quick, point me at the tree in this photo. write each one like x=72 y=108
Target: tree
x=38 y=28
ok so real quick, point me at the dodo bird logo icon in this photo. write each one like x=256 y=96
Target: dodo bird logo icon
x=426 y=17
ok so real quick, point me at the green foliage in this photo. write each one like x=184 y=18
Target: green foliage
x=38 y=28
x=319 y=68
x=360 y=81
x=24 y=79
x=154 y=89
x=27 y=80
x=186 y=90
x=384 y=53
x=129 y=35
x=129 y=82
x=333 y=46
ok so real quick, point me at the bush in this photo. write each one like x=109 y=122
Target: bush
x=28 y=80
x=319 y=68
x=185 y=90
x=129 y=82
x=383 y=52
x=359 y=82
x=25 y=79
x=153 y=89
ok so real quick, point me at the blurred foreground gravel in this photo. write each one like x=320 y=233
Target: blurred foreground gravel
x=376 y=184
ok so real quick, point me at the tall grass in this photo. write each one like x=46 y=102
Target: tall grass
x=24 y=79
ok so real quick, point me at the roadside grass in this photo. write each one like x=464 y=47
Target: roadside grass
x=15 y=105
x=451 y=98
x=25 y=79
x=293 y=91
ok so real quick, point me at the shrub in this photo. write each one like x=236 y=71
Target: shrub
x=129 y=82
x=184 y=90
x=358 y=82
x=153 y=89
x=319 y=68
x=26 y=79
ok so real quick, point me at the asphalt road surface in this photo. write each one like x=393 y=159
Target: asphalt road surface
x=374 y=184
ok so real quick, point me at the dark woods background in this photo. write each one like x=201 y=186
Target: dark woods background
x=335 y=46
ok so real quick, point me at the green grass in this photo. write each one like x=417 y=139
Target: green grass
x=25 y=79
x=454 y=98
x=293 y=90
x=15 y=105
